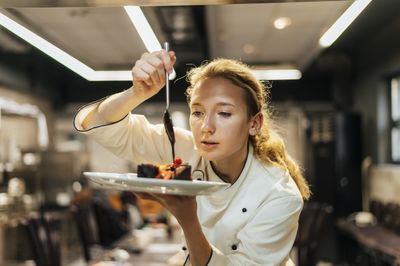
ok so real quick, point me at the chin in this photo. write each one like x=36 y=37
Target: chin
x=211 y=156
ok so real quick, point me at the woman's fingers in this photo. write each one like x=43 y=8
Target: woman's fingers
x=144 y=71
x=171 y=200
x=168 y=59
x=145 y=195
x=158 y=70
x=153 y=72
x=150 y=68
x=139 y=75
x=179 y=206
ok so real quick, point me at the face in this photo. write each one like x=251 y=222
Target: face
x=219 y=120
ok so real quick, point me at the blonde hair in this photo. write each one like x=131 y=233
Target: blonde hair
x=268 y=145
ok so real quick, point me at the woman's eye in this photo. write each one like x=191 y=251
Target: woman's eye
x=224 y=114
x=196 y=113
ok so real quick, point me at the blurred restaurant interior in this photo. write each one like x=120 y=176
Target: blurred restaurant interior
x=339 y=115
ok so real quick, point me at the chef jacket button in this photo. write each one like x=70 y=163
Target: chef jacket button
x=198 y=175
x=184 y=248
x=244 y=210
x=234 y=247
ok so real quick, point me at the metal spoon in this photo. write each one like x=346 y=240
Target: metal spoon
x=167 y=118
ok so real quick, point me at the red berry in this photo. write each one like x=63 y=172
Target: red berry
x=177 y=161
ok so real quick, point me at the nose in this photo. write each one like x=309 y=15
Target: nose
x=208 y=125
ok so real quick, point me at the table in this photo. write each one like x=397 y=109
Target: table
x=375 y=238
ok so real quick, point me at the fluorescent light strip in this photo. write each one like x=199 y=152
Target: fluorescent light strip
x=145 y=31
x=277 y=74
x=143 y=28
x=46 y=47
x=111 y=75
x=63 y=57
x=343 y=22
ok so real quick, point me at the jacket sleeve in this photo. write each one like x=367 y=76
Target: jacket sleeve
x=267 y=238
x=135 y=139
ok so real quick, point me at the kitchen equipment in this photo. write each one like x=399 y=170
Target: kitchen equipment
x=16 y=187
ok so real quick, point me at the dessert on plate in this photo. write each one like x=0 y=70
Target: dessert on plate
x=177 y=170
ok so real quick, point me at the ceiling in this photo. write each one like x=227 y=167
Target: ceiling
x=101 y=35
x=105 y=39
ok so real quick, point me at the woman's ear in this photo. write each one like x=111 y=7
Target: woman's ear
x=256 y=124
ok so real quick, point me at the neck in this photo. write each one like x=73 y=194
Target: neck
x=229 y=171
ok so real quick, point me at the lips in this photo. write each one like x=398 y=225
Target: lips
x=208 y=142
x=208 y=145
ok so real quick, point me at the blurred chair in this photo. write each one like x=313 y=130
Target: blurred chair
x=97 y=232
x=313 y=224
x=87 y=228
x=44 y=237
x=110 y=223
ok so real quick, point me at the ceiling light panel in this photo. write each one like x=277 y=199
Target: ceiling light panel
x=282 y=23
x=297 y=44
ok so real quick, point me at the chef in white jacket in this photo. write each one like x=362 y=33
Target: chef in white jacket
x=253 y=221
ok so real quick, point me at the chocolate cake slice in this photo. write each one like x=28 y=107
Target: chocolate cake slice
x=147 y=170
x=176 y=170
x=184 y=174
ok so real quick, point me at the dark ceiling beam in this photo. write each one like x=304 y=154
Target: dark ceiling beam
x=185 y=30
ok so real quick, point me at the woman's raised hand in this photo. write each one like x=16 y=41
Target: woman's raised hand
x=149 y=72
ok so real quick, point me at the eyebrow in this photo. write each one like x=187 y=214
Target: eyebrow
x=218 y=104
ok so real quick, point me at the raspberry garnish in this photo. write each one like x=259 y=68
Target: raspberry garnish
x=177 y=161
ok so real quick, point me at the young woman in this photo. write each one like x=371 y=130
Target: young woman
x=252 y=222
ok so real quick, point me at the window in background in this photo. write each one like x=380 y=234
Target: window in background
x=395 y=119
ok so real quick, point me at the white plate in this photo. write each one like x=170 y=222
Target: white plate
x=140 y=184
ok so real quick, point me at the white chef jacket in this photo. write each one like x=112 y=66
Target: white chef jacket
x=252 y=222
